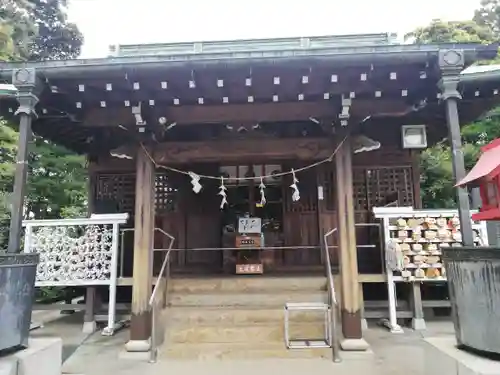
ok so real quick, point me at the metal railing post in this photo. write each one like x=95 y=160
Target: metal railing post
x=109 y=330
x=332 y=299
x=153 y=303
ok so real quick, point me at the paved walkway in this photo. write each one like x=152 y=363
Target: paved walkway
x=393 y=354
x=67 y=327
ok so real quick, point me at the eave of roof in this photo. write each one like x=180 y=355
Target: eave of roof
x=480 y=72
x=381 y=53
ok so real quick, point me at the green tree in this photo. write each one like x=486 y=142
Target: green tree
x=8 y=144
x=17 y=15
x=439 y=31
x=38 y=30
x=56 y=38
x=7 y=48
x=58 y=182
x=488 y=15
x=437 y=174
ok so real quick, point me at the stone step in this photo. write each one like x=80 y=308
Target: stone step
x=255 y=333
x=257 y=299
x=238 y=351
x=247 y=284
x=238 y=315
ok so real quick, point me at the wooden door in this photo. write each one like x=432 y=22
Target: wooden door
x=300 y=223
x=203 y=225
x=327 y=210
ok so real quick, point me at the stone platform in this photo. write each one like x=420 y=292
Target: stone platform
x=42 y=357
x=449 y=360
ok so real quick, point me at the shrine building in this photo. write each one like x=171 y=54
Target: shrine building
x=248 y=152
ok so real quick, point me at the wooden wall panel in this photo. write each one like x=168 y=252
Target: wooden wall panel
x=301 y=229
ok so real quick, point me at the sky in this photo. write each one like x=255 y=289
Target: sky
x=107 y=22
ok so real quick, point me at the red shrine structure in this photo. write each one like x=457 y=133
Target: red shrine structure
x=486 y=175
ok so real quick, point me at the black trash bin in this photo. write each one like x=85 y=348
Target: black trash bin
x=17 y=288
x=474 y=283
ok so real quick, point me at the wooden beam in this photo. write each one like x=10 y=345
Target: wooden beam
x=269 y=112
x=245 y=113
x=362 y=108
x=227 y=113
x=249 y=150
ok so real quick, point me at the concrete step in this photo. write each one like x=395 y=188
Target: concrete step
x=238 y=351
x=262 y=299
x=238 y=315
x=251 y=334
x=247 y=284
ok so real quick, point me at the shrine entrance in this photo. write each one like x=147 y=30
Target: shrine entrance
x=252 y=218
x=211 y=239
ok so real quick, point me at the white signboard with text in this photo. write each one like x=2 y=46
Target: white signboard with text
x=249 y=225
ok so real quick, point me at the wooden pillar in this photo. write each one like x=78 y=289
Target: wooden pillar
x=140 y=327
x=350 y=304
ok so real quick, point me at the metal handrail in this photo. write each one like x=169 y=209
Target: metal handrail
x=331 y=287
x=332 y=299
x=153 y=304
x=122 y=246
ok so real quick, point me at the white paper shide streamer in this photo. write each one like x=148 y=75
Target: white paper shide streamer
x=222 y=193
x=262 y=192
x=195 y=181
x=295 y=188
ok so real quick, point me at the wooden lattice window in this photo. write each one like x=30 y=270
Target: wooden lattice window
x=359 y=189
x=389 y=181
x=118 y=188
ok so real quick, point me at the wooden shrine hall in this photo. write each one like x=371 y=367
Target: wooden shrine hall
x=248 y=152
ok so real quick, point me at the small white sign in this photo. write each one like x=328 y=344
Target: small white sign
x=320 y=193
x=249 y=225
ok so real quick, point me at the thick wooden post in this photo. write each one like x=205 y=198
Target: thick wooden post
x=140 y=328
x=350 y=306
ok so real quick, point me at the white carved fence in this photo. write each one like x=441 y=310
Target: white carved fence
x=77 y=252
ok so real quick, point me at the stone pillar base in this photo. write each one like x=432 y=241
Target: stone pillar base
x=89 y=327
x=364 y=324
x=418 y=324
x=138 y=346
x=354 y=345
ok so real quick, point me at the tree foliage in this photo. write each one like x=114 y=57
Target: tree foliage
x=488 y=15
x=56 y=38
x=439 y=31
x=437 y=182
x=37 y=30
x=16 y=15
x=7 y=48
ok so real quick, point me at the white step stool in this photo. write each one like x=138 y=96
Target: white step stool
x=303 y=343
